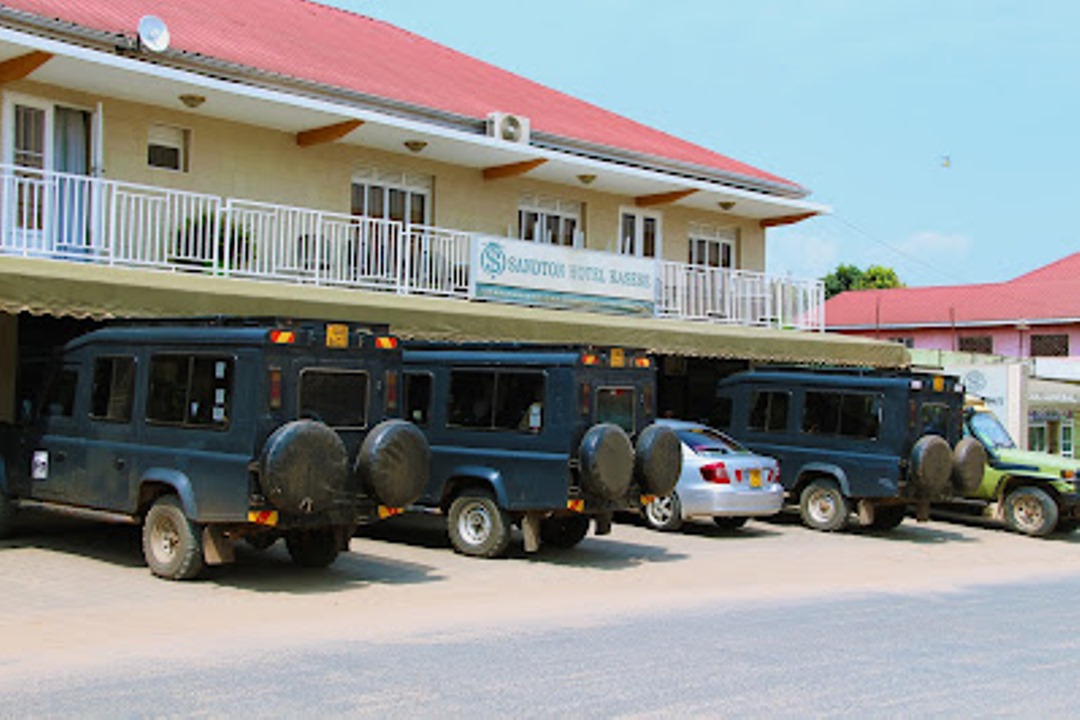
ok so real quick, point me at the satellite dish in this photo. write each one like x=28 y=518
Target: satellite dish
x=153 y=33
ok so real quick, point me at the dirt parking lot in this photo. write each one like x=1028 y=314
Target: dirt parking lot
x=77 y=595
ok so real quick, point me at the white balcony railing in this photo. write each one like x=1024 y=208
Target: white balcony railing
x=78 y=218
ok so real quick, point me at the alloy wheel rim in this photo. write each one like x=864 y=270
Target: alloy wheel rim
x=661 y=510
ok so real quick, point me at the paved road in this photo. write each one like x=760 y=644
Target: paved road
x=934 y=619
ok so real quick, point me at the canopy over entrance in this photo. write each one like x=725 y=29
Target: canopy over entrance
x=45 y=287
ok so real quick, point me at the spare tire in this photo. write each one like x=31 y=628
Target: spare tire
x=394 y=462
x=304 y=466
x=969 y=464
x=607 y=461
x=658 y=459
x=931 y=468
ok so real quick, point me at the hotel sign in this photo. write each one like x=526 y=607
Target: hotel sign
x=530 y=273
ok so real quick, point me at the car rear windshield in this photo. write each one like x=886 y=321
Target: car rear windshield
x=338 y=398
x=706 y=441
x=989 y=430
x=616 y=405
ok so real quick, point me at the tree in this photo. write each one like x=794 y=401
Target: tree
x=849 y=277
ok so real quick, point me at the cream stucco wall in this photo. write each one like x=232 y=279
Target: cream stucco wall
x=251 y=162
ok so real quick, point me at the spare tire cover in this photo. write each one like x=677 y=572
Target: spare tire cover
x=658 y=459
x=304 y=466
x=969 y=464
x=931 y=468
x=607 y=461
x=394 y=462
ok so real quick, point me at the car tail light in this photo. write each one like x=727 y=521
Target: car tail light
x=715 y=473
x=391 y=392
x=586 y=396
x=275 y=388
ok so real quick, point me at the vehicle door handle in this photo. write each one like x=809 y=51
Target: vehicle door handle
x=119 y=463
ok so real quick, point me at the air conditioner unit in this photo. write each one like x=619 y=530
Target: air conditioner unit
x=511 y=128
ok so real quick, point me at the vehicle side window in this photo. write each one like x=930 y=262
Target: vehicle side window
x=769 y=411
x=849 y=414
x=616 y=405
x=114 y=388
x=418 y=398
x=60 y=398
x=338 y=398
x=492 y=400
x=190 y=390
x=934 y=419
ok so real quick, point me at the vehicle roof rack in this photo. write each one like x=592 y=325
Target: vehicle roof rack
x=246 y=321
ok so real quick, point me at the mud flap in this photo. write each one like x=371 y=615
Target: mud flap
x=866 y=512
x=602 y=523
x=922 y=510
x=218 y=548
x=530 y=530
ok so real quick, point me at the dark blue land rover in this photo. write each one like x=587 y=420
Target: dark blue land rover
x=870 y=440
x=544 y=436
x=210 y=430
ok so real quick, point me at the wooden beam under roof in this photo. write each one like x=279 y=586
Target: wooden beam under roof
x=786 y=220
x=18 y=68
x=662 y=198
x=498 y=172
x=327 y=133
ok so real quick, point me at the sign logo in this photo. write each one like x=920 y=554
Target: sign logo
x=493 y=259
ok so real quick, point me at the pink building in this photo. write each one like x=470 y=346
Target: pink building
x=1033 y=315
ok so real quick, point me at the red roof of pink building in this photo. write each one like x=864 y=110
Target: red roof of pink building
x=336 y=48
x=1048 y=293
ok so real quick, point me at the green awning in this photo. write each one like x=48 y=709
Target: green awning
x=66 y=288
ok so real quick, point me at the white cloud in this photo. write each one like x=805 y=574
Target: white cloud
x=940 y=246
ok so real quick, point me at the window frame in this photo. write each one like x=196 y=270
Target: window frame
x=330 y=370
x=633 y=404
x=182 y=146
x=552 y=210
x=132 y=385
x=635 y=246
x=185 y=424
x=493 y=409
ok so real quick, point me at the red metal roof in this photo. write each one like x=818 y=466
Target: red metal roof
x=305 y=40
x=1049 y=293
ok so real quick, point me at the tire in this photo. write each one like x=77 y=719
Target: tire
x=564 y=532
x=931 y=468
x=888 y=517
x=394 y=463
x=657 y=459
x=664 y=513
x=7 y=516
x=477 y=526
x=969 y=464
x=730 y=523
x=823 y=506
x=313 y=547
x=172 y=544
x=304 y=467
x=607 y=461
x=1031 y=511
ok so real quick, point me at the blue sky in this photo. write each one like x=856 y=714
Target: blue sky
x=942 y=134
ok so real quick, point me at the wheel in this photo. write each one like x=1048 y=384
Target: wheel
x=823 y=506
x=607 y=461
x=564 y=532
x=658 y=459
x=394 y=462
x=730 y=523
x=664 y=513
x=477 y=525
x=304 y=467
x=7 y=516
x=888 y=517
x=312 y=548
x=1029 y=510
x=172 y=544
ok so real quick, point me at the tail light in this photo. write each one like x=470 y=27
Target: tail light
x=275 y=388
x=391 y=392
x=586 y=396
x=715 y=473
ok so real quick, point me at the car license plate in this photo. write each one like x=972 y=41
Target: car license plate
x=755 y=478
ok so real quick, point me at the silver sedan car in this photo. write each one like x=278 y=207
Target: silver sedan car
x=720 y=479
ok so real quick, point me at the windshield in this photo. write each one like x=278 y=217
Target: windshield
x=706 y=441
x=990 y=432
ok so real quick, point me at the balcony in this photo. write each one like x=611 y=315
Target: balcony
x=92 y=220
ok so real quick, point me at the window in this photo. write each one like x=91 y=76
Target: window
x=934 y=419
x=616 y=405
x=712 y=247
x=338 y=398
x=639 y=233
x=553 y=222
x=391 y=196
x=1037 y=438
x=1067 y=439
x=977 y=344
x=60 y=398
x=490 y=400
x=114 y=388
x=168 y=147
x=1056 y=345
x=418 y=398
x=769 y=411
x=190 y=390
x=848 y=414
